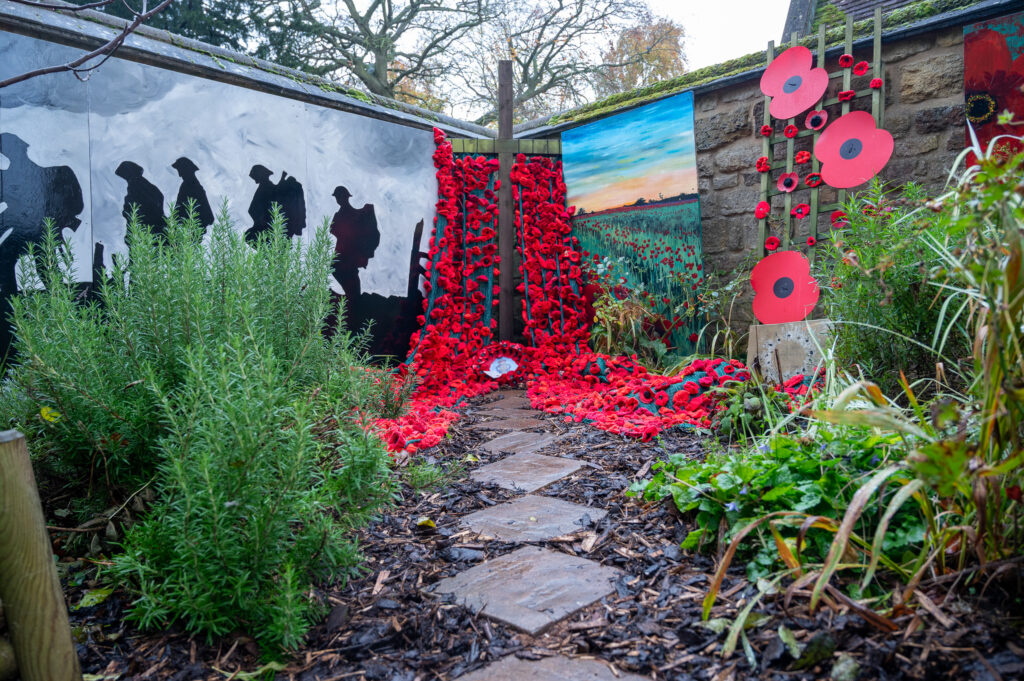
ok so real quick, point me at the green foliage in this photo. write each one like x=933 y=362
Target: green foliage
x=425 y=475
x=204 y=370
x=881 y=296
x=829 y=15
x=624 y=327
x=749 y=409
x=812 y=476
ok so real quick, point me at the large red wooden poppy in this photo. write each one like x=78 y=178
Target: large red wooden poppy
x=852 y=150
x=784 y=290
x=792 y=83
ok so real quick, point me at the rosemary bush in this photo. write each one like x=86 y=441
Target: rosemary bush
x=202 y=369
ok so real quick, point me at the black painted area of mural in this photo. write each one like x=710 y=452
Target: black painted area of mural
x=29 y=194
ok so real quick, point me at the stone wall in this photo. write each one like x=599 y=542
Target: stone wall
x=924 y=112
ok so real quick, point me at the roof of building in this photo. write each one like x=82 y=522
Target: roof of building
x=898 y=23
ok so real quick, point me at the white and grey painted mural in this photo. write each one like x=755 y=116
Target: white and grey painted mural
x=81 y=152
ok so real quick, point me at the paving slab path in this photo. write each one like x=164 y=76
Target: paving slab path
x=531 y=588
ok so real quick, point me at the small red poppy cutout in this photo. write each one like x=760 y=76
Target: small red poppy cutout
x=762 y=210
x=793 y=83
x=838 y=219
x=860 y=68
x=852 y=150
x=771 y=243
x=811 y=241
x=788 y=182
x=816 y=120
x=875 y=84
x=766 y=130
x=800 y=211
x=784 y=290
x=813 y=180
x=790 y=131
x=847 y=95
x=846 y=61
x=802 y=157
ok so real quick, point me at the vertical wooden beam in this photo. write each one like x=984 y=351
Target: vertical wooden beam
x=506 y=215
x=767 y=150
x=37 y=617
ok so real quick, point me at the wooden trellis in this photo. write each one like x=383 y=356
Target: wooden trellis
x=768 y=189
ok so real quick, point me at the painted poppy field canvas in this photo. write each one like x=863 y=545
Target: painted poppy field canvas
x=633 y=180
x=994 y=78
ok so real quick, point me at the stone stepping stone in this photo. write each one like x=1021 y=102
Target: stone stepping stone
x=528 y=471
x=520 y=441
x=508 y=413
x=532 y=518
x=531 y=588
x=556 y=668
x=511 y=424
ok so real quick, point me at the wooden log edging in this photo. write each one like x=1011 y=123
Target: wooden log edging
x=37 y=617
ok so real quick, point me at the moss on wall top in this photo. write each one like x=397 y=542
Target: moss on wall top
x=895 y=19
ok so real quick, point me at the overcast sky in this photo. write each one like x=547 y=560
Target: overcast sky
x=724 y=29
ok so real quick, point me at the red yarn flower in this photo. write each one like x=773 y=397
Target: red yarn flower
x=847 y=95
x=762 y=210
x=852 y=150
x=771 y=243
x=811 y=241
x=875 y=84
x=813 y=180
x=784 y=290
x=802 y=157
x=766 y=130
x=838 y=219
x=846 y=61
x=762 y=165
x=788 y=182
x=816 y=120
x=860 y=68
x=800 y=211
x=792 y=83
x=790 y=131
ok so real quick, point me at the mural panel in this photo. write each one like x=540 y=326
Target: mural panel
x=633 y=180
x=994 y=79
x=132 y=134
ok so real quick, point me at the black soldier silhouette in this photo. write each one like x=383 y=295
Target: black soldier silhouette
x=29 y=193
x=357 y=240
x=192 y=190
x=287 y=194
x=143 y=194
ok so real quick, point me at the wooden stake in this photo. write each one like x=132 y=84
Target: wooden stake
x=37 y=618
x=506 y=216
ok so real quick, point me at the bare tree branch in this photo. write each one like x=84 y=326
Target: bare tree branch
x=106 y=50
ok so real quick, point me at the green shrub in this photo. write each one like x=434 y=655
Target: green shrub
x=876 y=277
x=202 y=369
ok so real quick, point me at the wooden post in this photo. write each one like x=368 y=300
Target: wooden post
x=37 y=618
x=506 y=215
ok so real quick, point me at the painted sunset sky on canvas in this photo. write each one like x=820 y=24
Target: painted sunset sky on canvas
x=639 y=153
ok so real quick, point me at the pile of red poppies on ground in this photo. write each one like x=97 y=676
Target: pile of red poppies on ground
x=453 y=353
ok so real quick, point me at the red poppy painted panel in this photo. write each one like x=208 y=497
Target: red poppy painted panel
x=993 y=78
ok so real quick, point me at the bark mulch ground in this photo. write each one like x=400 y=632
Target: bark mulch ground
x=384 y=626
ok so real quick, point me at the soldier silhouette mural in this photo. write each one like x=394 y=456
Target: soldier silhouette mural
x=29 y=194
x=192 y=190
x=287 y=194
x=357 y=240
x=143 y=196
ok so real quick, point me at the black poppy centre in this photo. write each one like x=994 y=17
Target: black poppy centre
x=788 y=182
x=783 y=287
x=792 y=84
x=851 y=148
x=816 y=121
x=981 y=107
